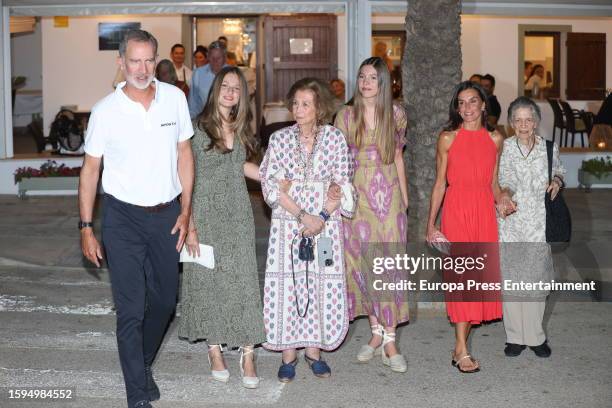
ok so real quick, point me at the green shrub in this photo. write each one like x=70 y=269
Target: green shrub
x=599 y=167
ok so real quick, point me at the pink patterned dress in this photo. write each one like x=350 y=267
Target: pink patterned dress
x=300 y=311
x=380 y=217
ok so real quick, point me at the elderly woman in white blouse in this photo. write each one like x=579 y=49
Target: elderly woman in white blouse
x=525 y=254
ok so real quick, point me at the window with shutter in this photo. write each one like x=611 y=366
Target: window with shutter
x=586 y=66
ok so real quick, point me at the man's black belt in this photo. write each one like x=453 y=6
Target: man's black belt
x=153 y=208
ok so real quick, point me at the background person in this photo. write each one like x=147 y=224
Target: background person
x=183 y=73
x=493 y=107
x=203 y=78
x=338 y=91
x=381 y=51
x=528 y=67
x=476 y=78
x=536 y=82
x=200 y=57
x=165 y=73
x=223 y=41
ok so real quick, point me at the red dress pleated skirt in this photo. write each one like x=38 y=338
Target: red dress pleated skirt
x=468 y=216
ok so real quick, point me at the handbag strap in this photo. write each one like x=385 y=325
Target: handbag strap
x=549 y=153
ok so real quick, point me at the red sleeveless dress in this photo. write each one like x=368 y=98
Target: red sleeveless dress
x=468 y=215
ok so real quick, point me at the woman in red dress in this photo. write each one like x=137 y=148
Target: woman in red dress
x=467 y=160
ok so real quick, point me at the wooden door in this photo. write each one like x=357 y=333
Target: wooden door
x=586 y=66
x=289 y=56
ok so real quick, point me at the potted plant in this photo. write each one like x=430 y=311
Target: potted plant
x=50 y=176
x=595 y=171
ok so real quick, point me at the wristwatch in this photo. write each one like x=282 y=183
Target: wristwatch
x=85 y=224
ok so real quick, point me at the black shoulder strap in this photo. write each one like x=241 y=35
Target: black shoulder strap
x=549 y=153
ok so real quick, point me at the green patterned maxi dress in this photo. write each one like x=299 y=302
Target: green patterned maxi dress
x=222 y=306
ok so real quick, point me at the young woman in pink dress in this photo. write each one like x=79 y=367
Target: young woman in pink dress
x=375 y=129
x=467 y=159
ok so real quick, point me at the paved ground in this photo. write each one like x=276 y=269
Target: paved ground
x=57 y=330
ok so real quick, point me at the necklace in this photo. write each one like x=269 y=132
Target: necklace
x=305 y=160
x=521 y=149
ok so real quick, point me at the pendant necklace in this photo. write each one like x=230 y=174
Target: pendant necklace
x=306 y=159
x=521 y=149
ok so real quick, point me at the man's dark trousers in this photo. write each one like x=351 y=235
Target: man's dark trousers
x=143 y=264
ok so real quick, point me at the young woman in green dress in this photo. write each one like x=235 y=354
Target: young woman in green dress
x=223 y=306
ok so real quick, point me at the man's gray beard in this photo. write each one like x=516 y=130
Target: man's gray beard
x=137 y=85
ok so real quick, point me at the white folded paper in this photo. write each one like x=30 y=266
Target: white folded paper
x=206 y=258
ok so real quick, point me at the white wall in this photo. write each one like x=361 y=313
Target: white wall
x=75 y=72
x=342 y=50
x=490 y=45
x=26 y=57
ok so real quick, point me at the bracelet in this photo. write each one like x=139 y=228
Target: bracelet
x=300 y=215
x=324 y=215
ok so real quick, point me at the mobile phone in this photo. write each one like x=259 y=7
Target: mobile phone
x=324 y=252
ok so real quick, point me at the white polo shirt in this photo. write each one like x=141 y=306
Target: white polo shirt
x=140 y=147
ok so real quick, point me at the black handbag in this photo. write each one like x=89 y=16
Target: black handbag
x=558 y=219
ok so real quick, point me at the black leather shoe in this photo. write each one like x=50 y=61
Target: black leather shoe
x=152 y=388
x=513 y=350
x=143 y=404
x=542 y=350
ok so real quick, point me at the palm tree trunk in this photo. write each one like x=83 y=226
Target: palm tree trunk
x=431 y=68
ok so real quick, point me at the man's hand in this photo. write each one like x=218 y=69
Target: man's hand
x=88 y=184
x=90 y=246
x=193 y=244
x=182 y=226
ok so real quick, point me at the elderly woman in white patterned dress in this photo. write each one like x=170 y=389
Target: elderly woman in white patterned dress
x=305 y=300
x=525 y=254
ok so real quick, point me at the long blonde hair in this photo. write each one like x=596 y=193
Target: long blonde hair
x=211 y=119
x=384 y=129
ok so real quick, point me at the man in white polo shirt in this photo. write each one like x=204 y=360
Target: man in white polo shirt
x=142 y=131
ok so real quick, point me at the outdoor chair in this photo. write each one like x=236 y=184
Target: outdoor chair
x=559 y=122
x=573 y=123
